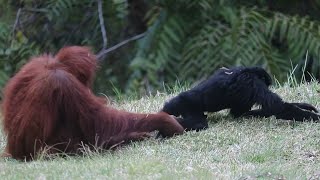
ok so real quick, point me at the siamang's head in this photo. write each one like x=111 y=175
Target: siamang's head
x=260 y=73
x=263 y=75
x=183 y=104
x=174 y=106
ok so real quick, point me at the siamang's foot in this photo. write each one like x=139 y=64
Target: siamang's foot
x=306 y=106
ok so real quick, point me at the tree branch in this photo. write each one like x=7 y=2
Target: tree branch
x=17 y=20
x=35 y=10
x=102 y=27
x=104 y=52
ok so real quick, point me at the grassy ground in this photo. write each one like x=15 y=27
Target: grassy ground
x=229 y=149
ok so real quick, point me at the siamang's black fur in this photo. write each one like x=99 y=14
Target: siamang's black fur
x=237 y=89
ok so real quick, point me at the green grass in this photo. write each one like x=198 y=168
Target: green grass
x=229 y=149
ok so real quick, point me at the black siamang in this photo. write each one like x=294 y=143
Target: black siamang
x=237 y=89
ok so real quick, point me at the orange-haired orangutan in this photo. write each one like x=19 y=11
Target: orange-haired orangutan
x=49 y=103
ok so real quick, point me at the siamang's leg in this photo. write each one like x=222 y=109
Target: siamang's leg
x=306 y=106
x=290 y=112
x=272 y=104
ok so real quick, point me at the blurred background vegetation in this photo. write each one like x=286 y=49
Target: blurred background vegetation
x=185 y=40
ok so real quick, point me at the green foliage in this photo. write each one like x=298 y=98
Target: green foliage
x=186 y=41
x=196 y=38
x=61 y=8
x=14 y=52
x=166 y=38
x=46 y=26
x=121 y=8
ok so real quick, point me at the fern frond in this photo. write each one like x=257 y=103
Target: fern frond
x=121 y=8
x=164 y=40
x=59 y=8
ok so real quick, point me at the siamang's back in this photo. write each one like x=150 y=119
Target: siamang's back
x=224 y=77
x=234 y=87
